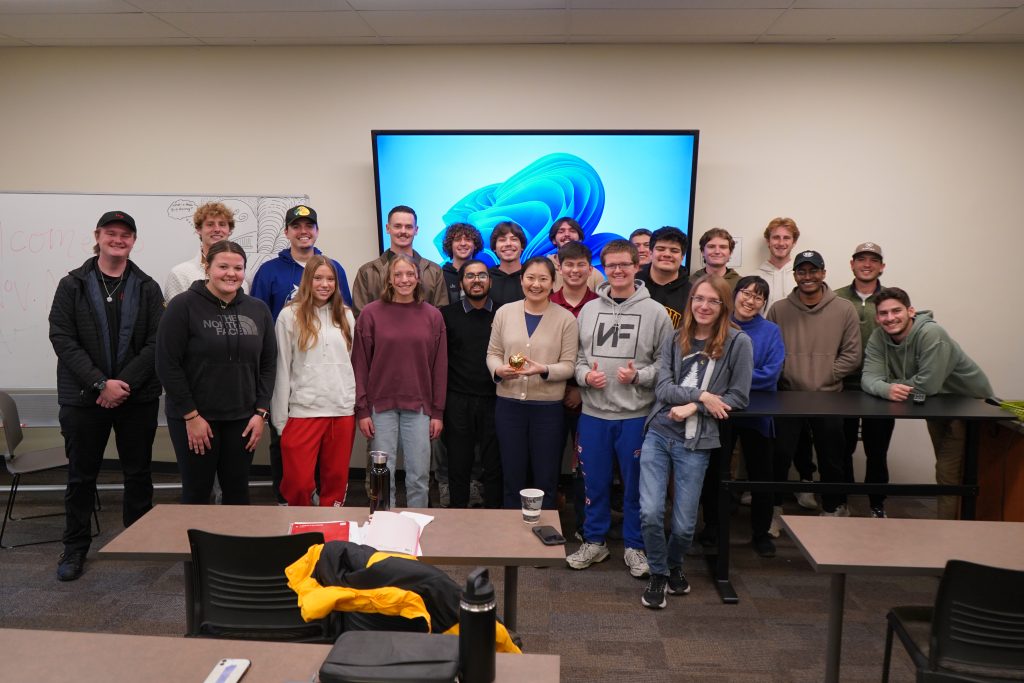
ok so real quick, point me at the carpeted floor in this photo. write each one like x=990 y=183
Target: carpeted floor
x=591 y=618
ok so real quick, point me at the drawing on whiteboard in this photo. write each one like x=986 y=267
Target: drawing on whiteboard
x=45 y=235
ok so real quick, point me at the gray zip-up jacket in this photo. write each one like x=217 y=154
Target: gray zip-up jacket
x=730 y=379
x=612 y=335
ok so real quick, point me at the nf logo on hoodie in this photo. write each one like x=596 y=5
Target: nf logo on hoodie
x=232 y=325
x=615 y=335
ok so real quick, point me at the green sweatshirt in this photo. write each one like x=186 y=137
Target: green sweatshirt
x=865 y=309
x=928 y=359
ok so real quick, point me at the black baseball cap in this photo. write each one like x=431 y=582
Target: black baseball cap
x=811 y=257
x=297 y=212
x=117 y=217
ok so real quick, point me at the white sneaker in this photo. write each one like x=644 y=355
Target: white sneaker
x=775 y=529
x=588 y=554
x=807 y=499
x=636 y=560
x=841 y=511
x=746 y=498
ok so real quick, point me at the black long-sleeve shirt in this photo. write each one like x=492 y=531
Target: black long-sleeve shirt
x=469 y=331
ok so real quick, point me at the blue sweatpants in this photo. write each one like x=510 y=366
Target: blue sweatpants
x=601 y=442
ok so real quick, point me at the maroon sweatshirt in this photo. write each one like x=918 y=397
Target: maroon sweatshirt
x=400 y=358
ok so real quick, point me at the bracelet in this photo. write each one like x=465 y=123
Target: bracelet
x=193 y=417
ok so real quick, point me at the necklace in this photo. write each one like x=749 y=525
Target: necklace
x=110 y=292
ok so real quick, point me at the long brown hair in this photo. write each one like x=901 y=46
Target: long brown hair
x=715 y=344
x=306 y=319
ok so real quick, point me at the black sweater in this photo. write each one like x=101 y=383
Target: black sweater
x=218 y=360
x=469 y=332
x=674 y=296
x=81 y=338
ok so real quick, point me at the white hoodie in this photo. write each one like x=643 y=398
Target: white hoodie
x=315 y=383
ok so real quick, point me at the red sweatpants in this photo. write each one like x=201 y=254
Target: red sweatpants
x=308 y=439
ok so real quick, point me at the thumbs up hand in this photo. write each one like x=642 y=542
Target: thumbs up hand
x=596 y=379
x=627 y=375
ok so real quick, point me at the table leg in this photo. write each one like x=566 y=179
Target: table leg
x=836 y=598
x=720 y=570
x=511 y=595
x=190 y=612
x=972 y=437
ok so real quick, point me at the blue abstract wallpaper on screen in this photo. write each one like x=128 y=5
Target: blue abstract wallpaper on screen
x=611 y=183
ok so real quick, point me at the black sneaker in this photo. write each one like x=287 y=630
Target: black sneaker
x=654 y=594
x=878 y=512
x=70 y=566
x=677 y=583
x=763 y=545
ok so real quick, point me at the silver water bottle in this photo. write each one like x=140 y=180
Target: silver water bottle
x=380 y=482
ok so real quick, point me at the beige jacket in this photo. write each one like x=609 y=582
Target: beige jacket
x=371 y=278
x=553 y=343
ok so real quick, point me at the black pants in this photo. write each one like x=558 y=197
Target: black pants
x=86 y=432
x=875 y=434
x=469 y=423
x=834 y=464
x=758 y=455
x=803 y=458
x=226 y=458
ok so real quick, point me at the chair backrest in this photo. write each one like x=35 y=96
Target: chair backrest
x=11 y=423
x=241 y=591
x=978 y=625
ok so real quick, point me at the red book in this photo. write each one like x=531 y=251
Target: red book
x=332 y=531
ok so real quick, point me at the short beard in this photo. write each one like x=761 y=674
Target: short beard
x=478 y=297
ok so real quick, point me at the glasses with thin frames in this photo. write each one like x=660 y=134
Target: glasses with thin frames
x=483 y=277
x=618 y=266
x=753 y=297
x=701 y=300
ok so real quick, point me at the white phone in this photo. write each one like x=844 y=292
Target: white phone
x=228 y=671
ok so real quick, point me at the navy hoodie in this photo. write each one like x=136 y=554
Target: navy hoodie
x=277 y=281
x=219 y=360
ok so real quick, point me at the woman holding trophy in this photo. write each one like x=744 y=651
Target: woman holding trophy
x=532 y=352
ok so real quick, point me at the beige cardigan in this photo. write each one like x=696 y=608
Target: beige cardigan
x=553 y=344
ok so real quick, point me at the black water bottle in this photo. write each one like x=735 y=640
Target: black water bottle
x=380 y=482
x=477 y=614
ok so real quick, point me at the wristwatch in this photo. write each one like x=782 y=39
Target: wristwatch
x=100 y=386
x=265 y=414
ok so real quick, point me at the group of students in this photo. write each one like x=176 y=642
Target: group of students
x=500 y=363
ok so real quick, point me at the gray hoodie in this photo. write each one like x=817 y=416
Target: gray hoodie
x=928 y=359
x=612 y=335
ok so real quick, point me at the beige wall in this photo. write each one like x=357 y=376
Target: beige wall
x=918 y=147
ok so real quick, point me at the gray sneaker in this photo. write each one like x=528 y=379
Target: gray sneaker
x=636 y=560
x=840 y=511
x=807 y=499
x=588 y=554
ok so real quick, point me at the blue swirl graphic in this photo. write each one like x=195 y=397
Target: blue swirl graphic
x=551 y=187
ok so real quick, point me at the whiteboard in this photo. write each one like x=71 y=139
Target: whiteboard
x=45 y=235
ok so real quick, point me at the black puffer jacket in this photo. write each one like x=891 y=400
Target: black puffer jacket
x=79 y=334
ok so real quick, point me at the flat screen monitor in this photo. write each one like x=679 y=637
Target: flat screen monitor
x=611 y=181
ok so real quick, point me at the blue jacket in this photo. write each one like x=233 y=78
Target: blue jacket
x=769 y=356
x=277 y=281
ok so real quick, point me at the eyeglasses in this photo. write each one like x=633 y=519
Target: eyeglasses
x=476 y=276
x=751 y=296
x=701 y=300
x=618 y=266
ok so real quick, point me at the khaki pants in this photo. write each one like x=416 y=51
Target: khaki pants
x=949 y=438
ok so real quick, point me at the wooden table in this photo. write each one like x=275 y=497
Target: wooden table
x=846 y=404
x=848 y=545
x=112 y=658
x=459 y=537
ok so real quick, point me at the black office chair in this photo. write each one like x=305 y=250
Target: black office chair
x=240 y=591
x=975 y=631
x=19 y=464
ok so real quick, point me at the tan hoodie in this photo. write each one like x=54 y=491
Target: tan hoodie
x=822 y=343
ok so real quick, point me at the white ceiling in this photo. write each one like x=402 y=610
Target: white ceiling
x=438 y=22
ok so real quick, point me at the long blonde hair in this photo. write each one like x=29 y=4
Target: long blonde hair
x=714 y=347
x=306 y=319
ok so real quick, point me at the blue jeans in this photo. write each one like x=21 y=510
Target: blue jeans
x=413 y=428
x=601 y=443
x=659 y=456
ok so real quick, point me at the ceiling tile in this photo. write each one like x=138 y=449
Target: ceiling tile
x=271 y=24
x=1011 y=23
x=856 y=39
x=30 y=26
x=679 y=4
x=990 y=38
x=478 y=23
x=856 y=22
x=291 y=41
x=905 y=4
x=431 y=5
x=65 y=6
x=670 y=22
x=662 y=39
x=476 y=39
x=241 y=5
x=108 y=41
